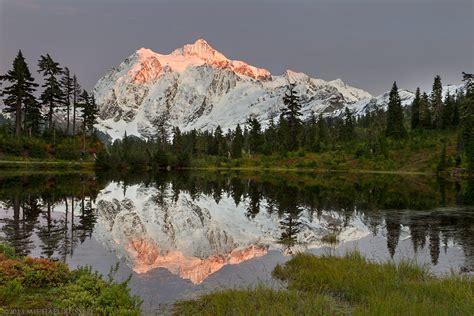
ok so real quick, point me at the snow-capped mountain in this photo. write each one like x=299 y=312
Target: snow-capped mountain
x=381 y=102
x=198 y=87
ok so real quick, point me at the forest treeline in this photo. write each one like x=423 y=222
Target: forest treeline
x=54 y=120
x=369 y=136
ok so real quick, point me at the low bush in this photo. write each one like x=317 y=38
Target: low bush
x=27 y=282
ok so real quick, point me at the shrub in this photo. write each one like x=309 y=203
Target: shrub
x=40 y=272
x=7 y=251
x=89 y=290
x=10 y=291
x=27 y=282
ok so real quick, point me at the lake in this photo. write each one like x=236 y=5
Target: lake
x=181 y=234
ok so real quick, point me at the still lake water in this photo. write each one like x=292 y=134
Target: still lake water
x=182 y=234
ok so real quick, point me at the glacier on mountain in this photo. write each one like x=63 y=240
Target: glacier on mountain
x=197 y=87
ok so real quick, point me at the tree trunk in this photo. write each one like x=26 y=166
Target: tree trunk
x=50 y=116
x=74 y=101
x=67 y=115
x=74 y=117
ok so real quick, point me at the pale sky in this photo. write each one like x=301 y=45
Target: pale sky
x=366 y=43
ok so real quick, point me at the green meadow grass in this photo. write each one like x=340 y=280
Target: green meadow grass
x=349 y=285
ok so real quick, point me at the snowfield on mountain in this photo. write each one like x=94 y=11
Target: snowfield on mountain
x=197 y=87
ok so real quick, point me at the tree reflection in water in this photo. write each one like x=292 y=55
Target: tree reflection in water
x=55 y=213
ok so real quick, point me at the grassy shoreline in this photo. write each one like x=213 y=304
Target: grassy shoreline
x=309 y=170
x=349 y=285
x=46 y=165
x=39 y=165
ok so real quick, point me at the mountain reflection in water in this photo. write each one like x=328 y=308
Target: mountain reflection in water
x=194 y=223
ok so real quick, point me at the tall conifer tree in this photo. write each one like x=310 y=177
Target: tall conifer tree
x=437 y=103
x=415 y=110
x=292 y=113
x=448 y=111
x=467 y=120
x=425 y=111
x=89 y=113
x=52 y=96
x=67 y=84
x=19 y=95
x=237 y=143
x=255 y=135
x=348 y=127
x=76 y=91
x=395 y=126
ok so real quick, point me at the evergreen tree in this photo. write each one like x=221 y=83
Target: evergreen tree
x=255 y=135
x=395 y=126
x=437 y=102
x=76 y=91
x=283 y=132
x=89 y=112
x=67 y=84
x=347 y=132
x=177 y=140
x=415 y=110
x=33 y=117
x=448 y=111
x=84 y=101
x=270 y=138
x=237 y=143
x=52 y=95
x=467 y=120
x=19 y=95
x=425 y=112
x=322 y=130
x=220 y=146
x=292 y=114
x=310 y=134
x=456 y=115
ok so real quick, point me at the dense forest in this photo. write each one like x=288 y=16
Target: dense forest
x=435 y=133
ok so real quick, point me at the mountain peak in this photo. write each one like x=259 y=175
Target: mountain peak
x=144 y=52
x=201 y=41
x=201 y=48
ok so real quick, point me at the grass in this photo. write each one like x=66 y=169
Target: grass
x=36 y=283
x=37 y=164
x=352 y=285
x=260 y=301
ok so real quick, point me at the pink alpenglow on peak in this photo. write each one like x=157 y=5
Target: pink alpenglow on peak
x=149 y=65
x=201 y=49
x=147 y=69
x=148 y=256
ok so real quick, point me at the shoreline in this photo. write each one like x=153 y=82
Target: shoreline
x=37 y=166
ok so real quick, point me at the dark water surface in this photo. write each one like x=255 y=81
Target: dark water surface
x=181 y=234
